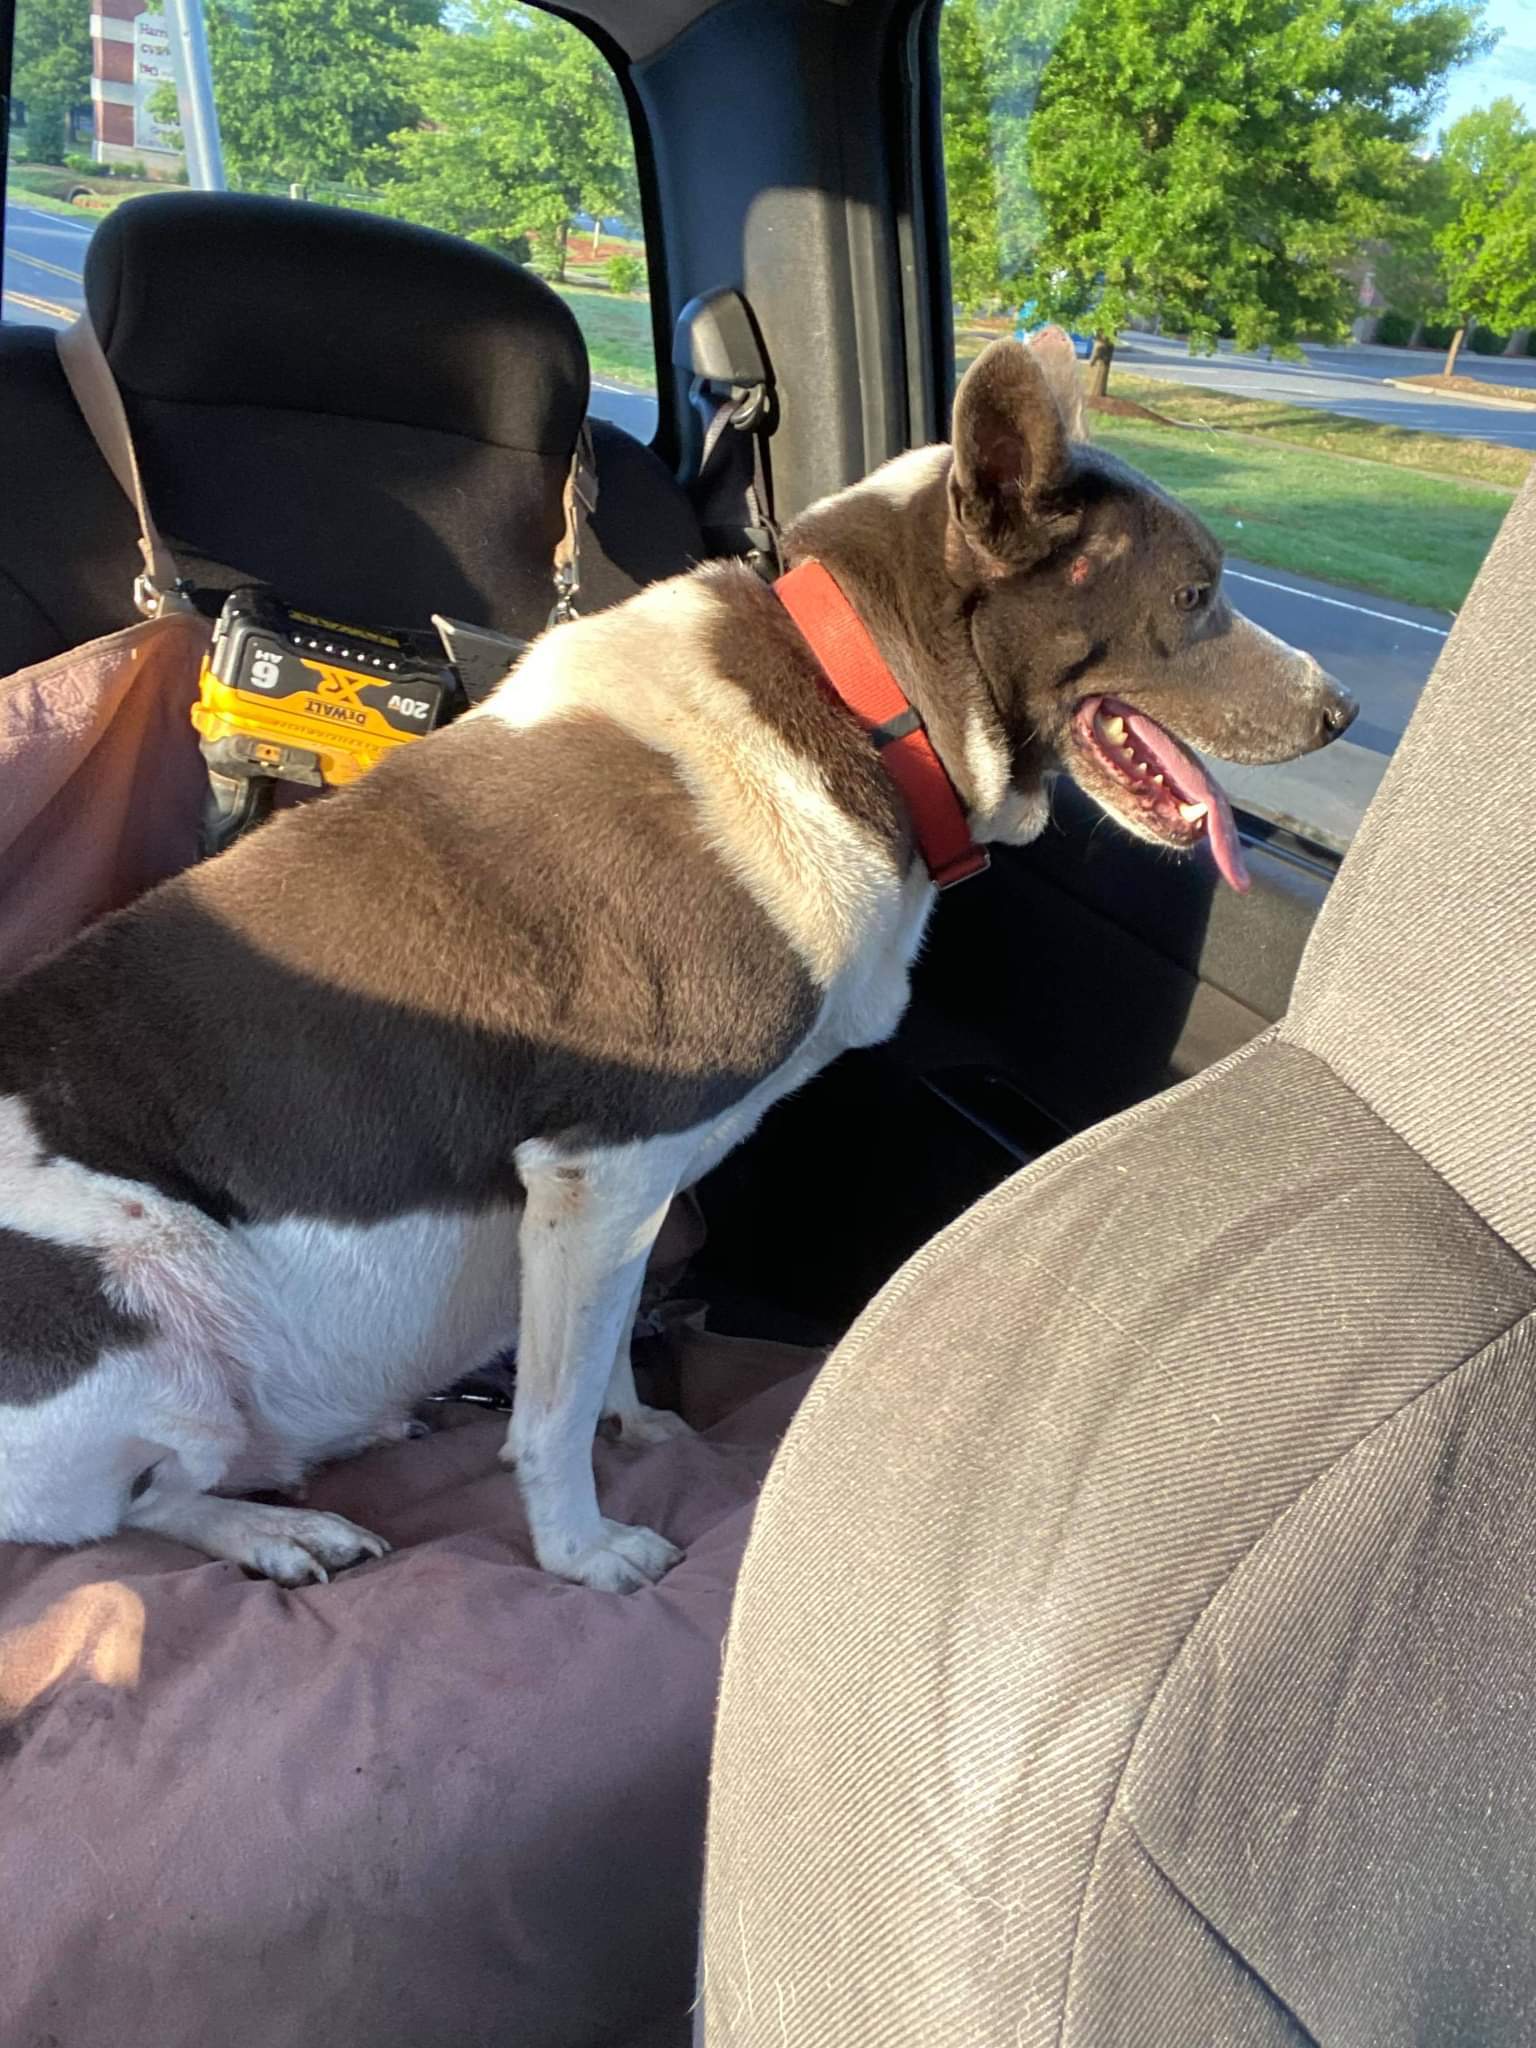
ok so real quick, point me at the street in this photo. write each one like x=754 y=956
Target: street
x=44 y=253
x=1348 y=380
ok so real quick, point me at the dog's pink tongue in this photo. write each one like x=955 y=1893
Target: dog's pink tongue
x=1194 y=786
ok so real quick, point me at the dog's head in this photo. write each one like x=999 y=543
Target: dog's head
x=1097 y=617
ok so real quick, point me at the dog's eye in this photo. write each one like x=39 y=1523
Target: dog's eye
x=1190 y=596
x=141 y=1485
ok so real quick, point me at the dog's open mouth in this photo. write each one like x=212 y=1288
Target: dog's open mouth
x=1146 y=776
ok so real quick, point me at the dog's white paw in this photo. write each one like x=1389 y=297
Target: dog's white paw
x=644 y=1425
x=298 y=1546
x=622 y=1560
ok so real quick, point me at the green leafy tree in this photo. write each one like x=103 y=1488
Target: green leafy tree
x=522 y=126
x=1219 y=162
x=970 y=173
x=309 y=91
x=1487 y=247
x=1408 y=269
x=51 y=70
x=991 y=56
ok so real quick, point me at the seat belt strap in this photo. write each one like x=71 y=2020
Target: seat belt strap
x=734 y=491
x=161 y=587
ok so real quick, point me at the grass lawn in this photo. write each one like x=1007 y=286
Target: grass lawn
x=42 y=187
x=618 y=334
x=43 y=202
x=1417 y=538
x=1332 y=433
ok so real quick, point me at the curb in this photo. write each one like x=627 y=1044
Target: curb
x=1462 y=397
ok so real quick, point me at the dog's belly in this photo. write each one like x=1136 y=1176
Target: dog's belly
x=360 y=1321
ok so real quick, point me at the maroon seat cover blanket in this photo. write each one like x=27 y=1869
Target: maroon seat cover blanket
x=445 y=1800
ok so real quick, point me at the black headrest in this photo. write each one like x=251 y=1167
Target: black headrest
x=374 y=418
x=227 y=299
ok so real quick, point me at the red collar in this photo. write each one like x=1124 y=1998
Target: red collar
x=854 y=672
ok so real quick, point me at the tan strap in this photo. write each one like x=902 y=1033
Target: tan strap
x=90 y=377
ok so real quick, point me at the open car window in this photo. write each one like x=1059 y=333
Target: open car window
x=1300 y=280
x=486 y=119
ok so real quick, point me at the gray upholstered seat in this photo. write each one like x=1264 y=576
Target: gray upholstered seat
x=1137 y=1642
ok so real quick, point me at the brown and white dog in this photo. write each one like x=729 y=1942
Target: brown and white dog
x=321 y=1125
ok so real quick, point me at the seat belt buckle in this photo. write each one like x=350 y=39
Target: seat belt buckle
x=155 y=603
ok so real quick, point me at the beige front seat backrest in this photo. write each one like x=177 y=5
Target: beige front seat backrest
x=1137 y=1642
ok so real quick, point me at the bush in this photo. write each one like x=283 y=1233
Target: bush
x=45 y=135
x=625 y=273
x=78 y=162
x=517 y=247
x=1437 y=334
x=1486 y=341
x=1393 y=330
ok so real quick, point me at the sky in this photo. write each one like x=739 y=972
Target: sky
x=1509 y=71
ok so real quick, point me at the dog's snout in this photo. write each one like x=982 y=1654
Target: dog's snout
x=1339 y=711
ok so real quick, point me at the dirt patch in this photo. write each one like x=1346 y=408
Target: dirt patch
x=1128 y=409
x=1469 y=387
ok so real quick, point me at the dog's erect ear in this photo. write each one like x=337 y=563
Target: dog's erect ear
x=1052 y=349
x=1012 y=451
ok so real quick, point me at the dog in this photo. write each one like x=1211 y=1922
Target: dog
x=413 y=1074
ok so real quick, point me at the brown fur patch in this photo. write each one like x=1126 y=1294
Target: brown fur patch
x=367 y=1006
x=58 y=1319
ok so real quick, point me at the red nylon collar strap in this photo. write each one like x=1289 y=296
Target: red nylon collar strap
x=854 y=672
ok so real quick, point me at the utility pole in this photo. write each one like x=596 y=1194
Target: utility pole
x=194 y=85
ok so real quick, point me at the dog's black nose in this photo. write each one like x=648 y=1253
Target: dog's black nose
x=1339 y=713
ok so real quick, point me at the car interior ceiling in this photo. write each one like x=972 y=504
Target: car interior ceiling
x=1078 y=976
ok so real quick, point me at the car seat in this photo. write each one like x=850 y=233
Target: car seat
x=373 y=417
x=1137 y=1639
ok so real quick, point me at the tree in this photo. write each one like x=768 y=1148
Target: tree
x=1487 y=247
x=1218 y=162
x=1408 y=269
x=970 y=175
x=51 y=70
x=309 y=91
x=522 y=126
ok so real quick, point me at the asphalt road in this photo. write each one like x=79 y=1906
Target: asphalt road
x=1351 y=381
x=43 y=257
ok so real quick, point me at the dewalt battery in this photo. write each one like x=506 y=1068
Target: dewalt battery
x=290 y=696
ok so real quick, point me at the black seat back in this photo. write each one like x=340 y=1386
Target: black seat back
x=375 y=418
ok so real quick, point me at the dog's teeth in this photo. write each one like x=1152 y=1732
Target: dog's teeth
x=1158 y=780
x=1191 y=813
x=1114 y=729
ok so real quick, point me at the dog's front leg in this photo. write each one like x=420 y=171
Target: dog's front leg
x=292 y=1545
x=587 y=1230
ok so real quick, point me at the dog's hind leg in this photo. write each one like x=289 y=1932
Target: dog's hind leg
x=586 y=1233
x=292 y=1545
x=622 y=1405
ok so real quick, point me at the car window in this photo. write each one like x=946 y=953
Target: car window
x=489 y=120
x=1294 y=250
